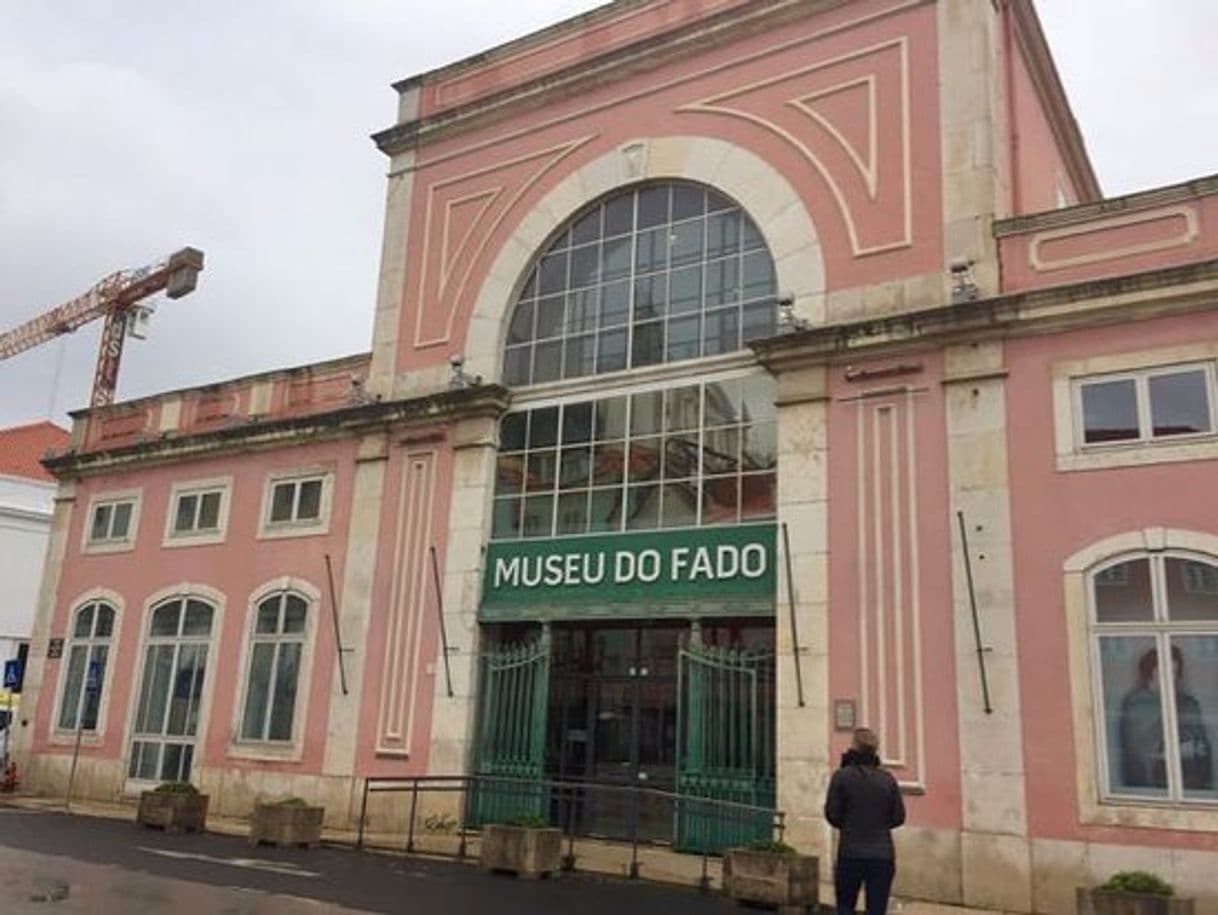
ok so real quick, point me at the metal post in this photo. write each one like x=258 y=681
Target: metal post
x=414 y=803
x=93 y=673
x=338 y=636
x=363 y=812
x=972 y=598
x=568 y=863
x=8 y=726
x=799 y=676
x=80 y=726
x=634 y=833
x=435 y=573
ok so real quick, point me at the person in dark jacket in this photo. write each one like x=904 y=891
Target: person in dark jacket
x=865 y=803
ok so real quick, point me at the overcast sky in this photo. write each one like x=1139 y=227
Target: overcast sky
x=129 y=129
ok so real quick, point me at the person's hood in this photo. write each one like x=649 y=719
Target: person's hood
x=859 y=758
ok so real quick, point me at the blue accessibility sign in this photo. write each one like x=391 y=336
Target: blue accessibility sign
x=12 y=674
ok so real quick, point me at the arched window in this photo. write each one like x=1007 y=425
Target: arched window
x=276 y=647
x=92 y=630
x=171 y=690
x=1154 y=626
x=657 y=273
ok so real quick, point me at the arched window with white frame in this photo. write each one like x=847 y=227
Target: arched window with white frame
x=1154 y=642
x=276 y=651
x=171 y=690
x=654 y=273
x=88 y=653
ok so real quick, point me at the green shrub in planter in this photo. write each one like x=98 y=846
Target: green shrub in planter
x=1132 y=893
x=1138 y=882
x=173 y=805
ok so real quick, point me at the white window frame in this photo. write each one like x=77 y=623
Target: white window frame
x=174 y=538
x=1158 y=628
x=1070 y=375
x=1096 y=806
x=185 y=589
x=276 y=750
x=112 y=545
x=114 y=601
x=1141 y=380
x=271 y=530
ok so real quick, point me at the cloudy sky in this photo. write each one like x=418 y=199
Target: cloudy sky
x=129 y=129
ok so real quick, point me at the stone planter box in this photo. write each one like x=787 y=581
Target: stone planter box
x=526 y=851
x=286 y=824
x=171 y=810
x=1100 y=902
x=769 y=878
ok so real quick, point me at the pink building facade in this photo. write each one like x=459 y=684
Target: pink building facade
x=804 y=375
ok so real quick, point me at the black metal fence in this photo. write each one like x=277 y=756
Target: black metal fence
x=584 y=811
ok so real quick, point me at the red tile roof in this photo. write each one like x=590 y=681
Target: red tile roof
x=22 y=446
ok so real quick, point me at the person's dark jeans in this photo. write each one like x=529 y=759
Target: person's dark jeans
x=852 y=874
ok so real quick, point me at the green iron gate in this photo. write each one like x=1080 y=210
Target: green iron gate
x=513 y=686
x=725 y=746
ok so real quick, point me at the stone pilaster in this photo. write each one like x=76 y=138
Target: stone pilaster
x=995 y=854
x=803 y=732
x=391 y=284
x=474 y=448
x=971 y=122
x=355 y=603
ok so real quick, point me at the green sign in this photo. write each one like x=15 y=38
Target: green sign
x=712 y=571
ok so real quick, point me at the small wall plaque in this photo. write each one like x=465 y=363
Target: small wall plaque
x=55 y=648
x=843 y=715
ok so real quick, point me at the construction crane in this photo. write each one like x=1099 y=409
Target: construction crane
x=117 y=298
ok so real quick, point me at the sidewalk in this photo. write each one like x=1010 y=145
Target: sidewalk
x=655 y=865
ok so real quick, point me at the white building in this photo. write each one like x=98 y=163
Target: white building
x=27 y=494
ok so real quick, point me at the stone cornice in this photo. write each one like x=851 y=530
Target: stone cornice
x=1085 y=212
x=440 y=408
x=1172 y=290
x=1052 y=95
x=645 y=54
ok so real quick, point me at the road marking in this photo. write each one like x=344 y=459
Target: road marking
x=257 y=864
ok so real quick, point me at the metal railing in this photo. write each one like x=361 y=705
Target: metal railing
x=585 y=811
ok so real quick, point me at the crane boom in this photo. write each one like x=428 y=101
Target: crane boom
x=114 y=297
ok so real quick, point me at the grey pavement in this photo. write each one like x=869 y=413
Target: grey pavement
x=55 y=862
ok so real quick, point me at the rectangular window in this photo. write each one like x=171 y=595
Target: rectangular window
x=111 y=522
x=1150 y=405
x=197 y=512
x=296 y=501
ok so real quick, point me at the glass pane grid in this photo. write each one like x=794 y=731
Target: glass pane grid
x=641 y=461
x=1155 y=630
x=656 y=274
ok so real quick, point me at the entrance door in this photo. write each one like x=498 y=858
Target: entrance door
x=613 y=721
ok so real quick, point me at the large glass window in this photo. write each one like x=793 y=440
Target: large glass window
x=275 y=654
x=658 y=273
x=1155 y=633
x=92 y=629
x=696 y=454
x=175 y=665
x=1146 y=406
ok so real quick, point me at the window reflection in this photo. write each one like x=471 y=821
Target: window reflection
x=688 y=455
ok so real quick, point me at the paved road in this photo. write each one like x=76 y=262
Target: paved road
x=55 y=863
